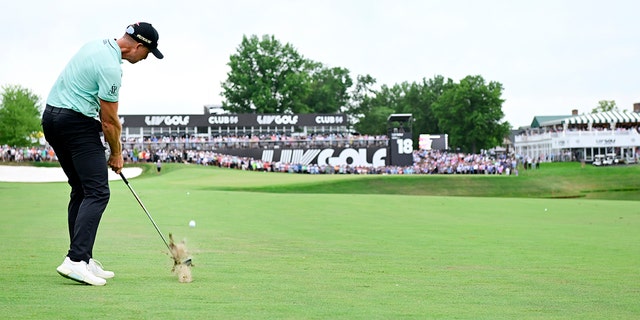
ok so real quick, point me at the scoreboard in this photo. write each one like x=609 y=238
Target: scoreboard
x=400 y=149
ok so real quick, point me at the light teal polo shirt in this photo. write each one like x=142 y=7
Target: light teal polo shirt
x=94 y=73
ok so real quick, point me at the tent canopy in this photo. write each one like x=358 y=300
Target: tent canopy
x=597 y=118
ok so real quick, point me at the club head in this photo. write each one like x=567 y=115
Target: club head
x=187 y=262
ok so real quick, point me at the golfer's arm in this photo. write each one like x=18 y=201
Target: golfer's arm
x=111 y=126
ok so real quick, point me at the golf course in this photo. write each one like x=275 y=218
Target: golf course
x=559 y=242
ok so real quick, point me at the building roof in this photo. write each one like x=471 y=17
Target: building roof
x=539 y=121
x=606 y=117
x=594 y=118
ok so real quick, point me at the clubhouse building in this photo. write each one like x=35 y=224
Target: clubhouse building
x=584 y=137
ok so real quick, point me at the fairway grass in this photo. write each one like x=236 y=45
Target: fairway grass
x=358 y=255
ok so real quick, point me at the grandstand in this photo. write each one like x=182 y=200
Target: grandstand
x=582 y=137
x=298 y=138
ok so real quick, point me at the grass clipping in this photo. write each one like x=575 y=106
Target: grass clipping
x=181 y=260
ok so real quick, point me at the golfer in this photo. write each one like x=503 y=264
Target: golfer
x=82 y=103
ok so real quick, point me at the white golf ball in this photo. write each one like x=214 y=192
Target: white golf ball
x=545 y=209
x=192 y=224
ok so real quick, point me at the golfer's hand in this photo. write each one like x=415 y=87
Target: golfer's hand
x=116 y=163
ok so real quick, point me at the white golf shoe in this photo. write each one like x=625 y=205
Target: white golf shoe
x=79 y=271
x=96 y=267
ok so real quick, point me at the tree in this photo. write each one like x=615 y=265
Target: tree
x=329 y=89
x=269 y=77
x=19 y=116
x=374 y=111
x=604 y=106
x=419 y=101
x=470 y=112
x=360 y=99
x=266 y=77
x=362 y=92
x=375 y=120
x=414 y=98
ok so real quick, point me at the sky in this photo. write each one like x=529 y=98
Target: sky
x=551 y=56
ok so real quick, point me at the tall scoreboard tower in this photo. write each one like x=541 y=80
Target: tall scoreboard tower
x=400 y=148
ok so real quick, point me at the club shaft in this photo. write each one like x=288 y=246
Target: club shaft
x=145 y=210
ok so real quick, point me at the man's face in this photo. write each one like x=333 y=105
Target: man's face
x=139 y=53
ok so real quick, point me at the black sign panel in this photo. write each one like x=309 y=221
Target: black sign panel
x=400 y=149
x=234 y=120
x=368 y=157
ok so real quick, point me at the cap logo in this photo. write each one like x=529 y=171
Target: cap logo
x=143 y=39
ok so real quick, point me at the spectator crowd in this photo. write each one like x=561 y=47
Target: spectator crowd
x=202 y=151
x=424 y=162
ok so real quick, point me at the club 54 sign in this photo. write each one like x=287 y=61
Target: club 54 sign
x=234 y=120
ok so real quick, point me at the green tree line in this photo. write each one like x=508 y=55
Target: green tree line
x=267 y=76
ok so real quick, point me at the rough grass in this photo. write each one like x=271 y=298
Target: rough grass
x=556 y=180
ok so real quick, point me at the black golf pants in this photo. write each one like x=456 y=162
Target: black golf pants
x=75 y=138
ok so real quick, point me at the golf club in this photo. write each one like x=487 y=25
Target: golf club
x=186 y=262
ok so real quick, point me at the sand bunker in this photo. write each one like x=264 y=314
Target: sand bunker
x=40 y=174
